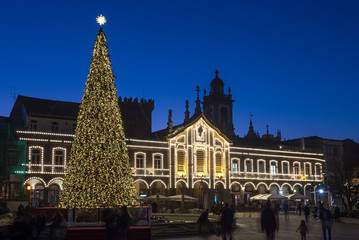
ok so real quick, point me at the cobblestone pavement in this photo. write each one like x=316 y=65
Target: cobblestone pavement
x=248 y=228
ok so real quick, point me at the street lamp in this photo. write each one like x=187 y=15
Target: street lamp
x=29 y=189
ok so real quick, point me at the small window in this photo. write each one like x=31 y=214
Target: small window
x=180 y=161
x=54 y=127
x=218 y=163
x=139 y=160
x=307 y=169
x=285 y=168
x=235 y=166
x=157 y=161
x=35 y=156
x=317 y=170
x=200 y=161
x=248 y=166
x=33 y=125
x=261 y=167
x=296 y=169
x=59 y=157
x=273 y=168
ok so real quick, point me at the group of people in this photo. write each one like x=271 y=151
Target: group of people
x=28 y=226
x=226 y=213
x=270 y=221
x=117 y=222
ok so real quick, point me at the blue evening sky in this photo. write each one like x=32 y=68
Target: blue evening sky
x=293 y=64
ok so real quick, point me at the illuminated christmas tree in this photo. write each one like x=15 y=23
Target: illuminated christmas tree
x=99 y=173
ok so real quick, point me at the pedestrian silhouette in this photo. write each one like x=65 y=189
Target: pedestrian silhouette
x=326 y=218
x=269 y=221
x=306 y=211
x=303 y=229
x=124 y=221
x=226 y=222
x=203 y=220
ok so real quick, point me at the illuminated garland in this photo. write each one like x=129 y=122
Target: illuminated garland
x=99 y=173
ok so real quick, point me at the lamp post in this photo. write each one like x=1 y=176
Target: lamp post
x=29 y=189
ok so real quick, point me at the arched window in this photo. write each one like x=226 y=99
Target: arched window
x=59 y=157
x=261 y=167
x=285 y=168
x=218 y=163
x=140 y=161
x=273 y=168
x=235 y=165
x=200 y=161
x=318 y=170
x=35 y=156
x=248 y=166
x=180 y=161
x=157 y=161
x=296 y=168
x=39 y=192
x=307 y=169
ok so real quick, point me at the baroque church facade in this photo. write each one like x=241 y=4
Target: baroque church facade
x=202 y=157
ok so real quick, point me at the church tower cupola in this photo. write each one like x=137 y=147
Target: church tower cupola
x=218 y=107
x=217 y=85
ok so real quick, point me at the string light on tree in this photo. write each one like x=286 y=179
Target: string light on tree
x=99 y=172
x=101 y=20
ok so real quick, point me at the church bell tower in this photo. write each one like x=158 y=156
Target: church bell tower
x=218 y=107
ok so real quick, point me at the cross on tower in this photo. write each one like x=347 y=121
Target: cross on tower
x=267 y=126
x=197 y=90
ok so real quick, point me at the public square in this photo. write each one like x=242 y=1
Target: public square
x=248 y=228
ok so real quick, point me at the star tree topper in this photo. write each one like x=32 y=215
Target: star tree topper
x=101 y=20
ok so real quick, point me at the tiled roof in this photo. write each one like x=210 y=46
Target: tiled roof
x=49 y=108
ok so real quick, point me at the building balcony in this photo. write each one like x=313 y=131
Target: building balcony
x=273 y=177
x=151 y=172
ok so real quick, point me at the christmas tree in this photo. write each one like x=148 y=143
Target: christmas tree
x=99 y=173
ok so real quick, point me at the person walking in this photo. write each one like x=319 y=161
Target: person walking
x=303 y=229
x=286 y=209
x=269 y=222
x=20 y=209
x=299 y=208
x=336 y=213
x=326 y=216
x=203 y=220
x=226 y=222
x=124 y=221
x=306 y=211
